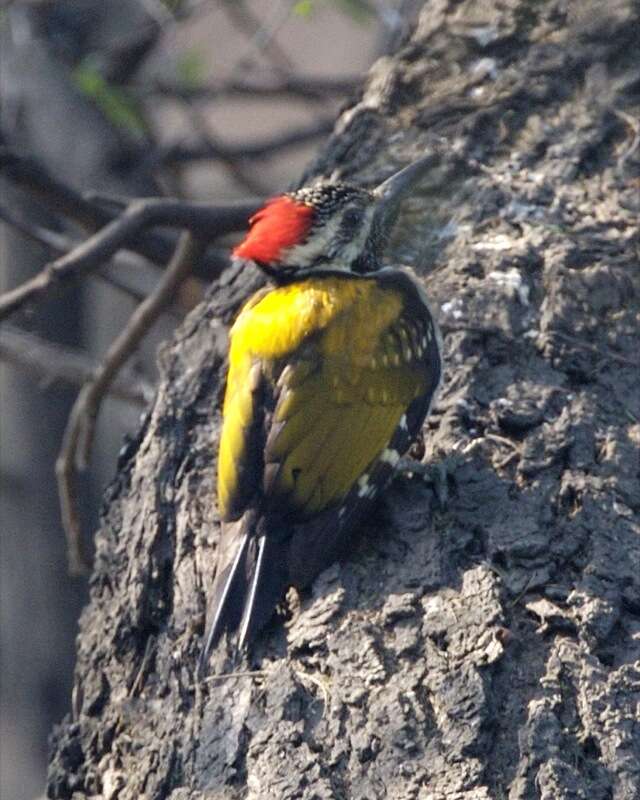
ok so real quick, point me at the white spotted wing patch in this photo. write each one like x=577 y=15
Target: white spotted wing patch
x=363 y=485
x=390 y=456
x=377 y=476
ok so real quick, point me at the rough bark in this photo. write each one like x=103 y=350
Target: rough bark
x=488 y=649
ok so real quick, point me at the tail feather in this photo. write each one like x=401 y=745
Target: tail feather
x=268 y=584
x=227 y=599
x=247 y=587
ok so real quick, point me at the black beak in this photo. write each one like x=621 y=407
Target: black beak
x=392 y=191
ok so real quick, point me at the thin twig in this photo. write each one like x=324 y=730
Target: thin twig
x=127 y=271
x=63 y=200
x=308 y=87
x=524 y=591
x=180 y=154
x=78 y=435
x=52 y=362
x=55 y=242
x=508 y=459
x=261 y=33
x=210 y=140
x=494 y=437
x=201 y=219
x=108 y=200
x=31 y=176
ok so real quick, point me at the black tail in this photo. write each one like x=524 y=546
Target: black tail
x=250 y=581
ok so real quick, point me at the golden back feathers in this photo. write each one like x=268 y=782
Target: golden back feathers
x=321 y=372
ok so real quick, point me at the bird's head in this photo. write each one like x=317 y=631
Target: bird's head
x=329 y=225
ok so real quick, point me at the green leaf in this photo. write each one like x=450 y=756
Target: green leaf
x=113 y=101
x=304 y=8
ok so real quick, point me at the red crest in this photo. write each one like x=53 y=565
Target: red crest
x=280 y=224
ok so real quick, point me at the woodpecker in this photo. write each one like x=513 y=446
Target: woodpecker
x=332 y=371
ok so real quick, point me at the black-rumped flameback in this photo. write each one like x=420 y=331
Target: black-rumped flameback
x=332 y=371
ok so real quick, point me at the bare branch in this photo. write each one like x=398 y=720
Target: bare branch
x=78 y=436
x=52 y=363
x=308 y=87
x=127 y=271
x=240 y=172
x=261 y=33
x=177 y=154
x=63 y=200
x=31 y=176
x=202 y=219
x=108 y=200
x=55 y=242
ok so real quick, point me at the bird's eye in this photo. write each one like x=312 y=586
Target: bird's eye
x=352 y=218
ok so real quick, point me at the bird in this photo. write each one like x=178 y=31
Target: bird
x=332 y=370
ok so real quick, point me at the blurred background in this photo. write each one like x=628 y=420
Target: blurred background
x=205 y=99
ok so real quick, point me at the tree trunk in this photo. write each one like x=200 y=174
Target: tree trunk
x=484 y=649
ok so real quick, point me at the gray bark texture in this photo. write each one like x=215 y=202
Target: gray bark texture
x=487 y=648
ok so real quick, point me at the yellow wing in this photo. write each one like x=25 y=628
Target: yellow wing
x=327 y=377
x=331 y=425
